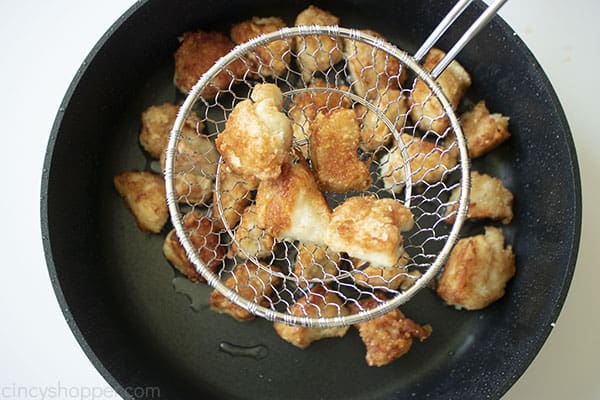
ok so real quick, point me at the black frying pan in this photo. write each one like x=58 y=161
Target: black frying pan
x=116 y=289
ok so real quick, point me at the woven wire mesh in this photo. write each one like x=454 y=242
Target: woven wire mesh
x=411 y=155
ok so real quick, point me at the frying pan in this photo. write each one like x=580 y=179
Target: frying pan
x=143 y=326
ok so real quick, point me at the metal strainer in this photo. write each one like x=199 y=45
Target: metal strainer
x=410 y=156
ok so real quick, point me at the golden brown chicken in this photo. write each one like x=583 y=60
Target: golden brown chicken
x=489 y=198
x=382 y=278
x=257 y=138
x=269 y=60
x=477 y=271
x=234 y=195
x=483 y=131
x=205 y=239
x=196 y=54
x=389 y=336
x=334 y=141
x=292 y=207
x=317 y=53
x=315 y=262
x=369 y=229
x=426 y=110
x=253 y=283
x=429 y=163
x=144 y=195
x=251 y=241
x=374 y=133
x=372 y=71
x=320 y=302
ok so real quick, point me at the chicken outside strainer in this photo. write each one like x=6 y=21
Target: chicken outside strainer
x=279 y=281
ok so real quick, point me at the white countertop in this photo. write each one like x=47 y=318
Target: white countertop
x=43 y=44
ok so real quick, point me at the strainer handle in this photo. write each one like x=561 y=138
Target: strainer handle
x=470 y=33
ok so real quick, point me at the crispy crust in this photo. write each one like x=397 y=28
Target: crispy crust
x=489 y=198
x=369 y=229
x=334 y=140
x=235 y=195
x=196 y=54
x=315 y=262
x=317 y=53
x=292 y=207
x=144 y=195
x=389 y=336
x=483 y=131
x=390 y=278
x=319 y=302
x=257 y=138
x=250 y=282
x=477 y=271
x=269 y=60
x=454 y=81
x=372 y=73
x=429 y=163
x=204 y=238
x=250 y=240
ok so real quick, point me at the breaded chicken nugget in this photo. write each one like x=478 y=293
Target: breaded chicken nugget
x=157 y=122
x=372 y=71
x=369 y=229
x=334 y=141
x=234 y=195
x=489 y=198
x=374 y=134
x=251 y=241
x=304 y=107
x=144 y=195
x=483 y=131
x=429 y=163
x=426 y=110
x=257 y=138
x=253 y=283
x=315 y=262
x=319 y=303
x=196 y=54
x=292 y=207
x=477 y=271
x=317 y=53
x=390 y=336
x=194 y=167
x=269 y=60
x=205 y=239
x=390 y=278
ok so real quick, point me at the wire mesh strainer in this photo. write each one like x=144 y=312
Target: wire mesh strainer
x=374 y=139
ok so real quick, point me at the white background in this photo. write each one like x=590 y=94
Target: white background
x=43 y=43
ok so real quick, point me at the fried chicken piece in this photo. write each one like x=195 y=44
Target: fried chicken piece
x=334 y=140
x=319 y=52
x=144 y=195
x=483 y=131
x=369 y=229
x=194 y=167
x=372 y=71
x=304 y=107
x=292 y=207
x=374 y=134
x=250 y=240
x=389 y=336
x=319 y=302
x=390 y=278
x=429 y=163
x=477 y=271
x=426 y=109
x=235 y=196
x=196 y=54
x=157 y=122
x=272 y=59
x=257 y=137
x=205 y=239
x=253 y=283
x=315 y=262
x=489 y=199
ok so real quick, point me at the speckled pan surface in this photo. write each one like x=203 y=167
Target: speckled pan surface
x=119 y=294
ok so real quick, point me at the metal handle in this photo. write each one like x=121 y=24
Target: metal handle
x=470 y=33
